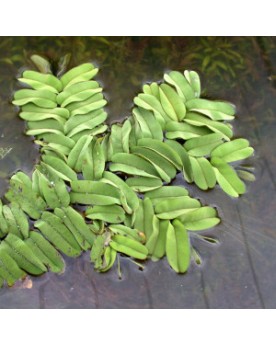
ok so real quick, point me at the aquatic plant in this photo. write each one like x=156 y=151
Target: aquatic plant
x=106 y=189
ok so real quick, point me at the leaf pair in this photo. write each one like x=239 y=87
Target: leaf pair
x=14 y=220
x=118 y=140
x=147 y=223
x=187 y=85
x=52 y=228
x=227 y=178
x=81 y=73
x=22 y=193
x=51 y=188
x=145 y=125
x=10 y=272
x=215 y=110
x=77 y=226
x=40 y=98
x=33 y=256
x=163 y=159
x=129 y=247
x=94 y=193
x=66 y=230
x=41 y=81
x=106 y=213
x=235 y=150
x=91 y=123
x=22 y=254
x=128 y=198
x=178 y=247
x=199 y=123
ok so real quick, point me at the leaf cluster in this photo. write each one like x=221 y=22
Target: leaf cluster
x=107 y=189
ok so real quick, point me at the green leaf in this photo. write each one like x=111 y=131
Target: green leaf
x=236 y=150
x=110 y=213
x=16 y=219
x=81 y=123
x=131 y=200
x=21 y=192
x=126 y=129
x=9 y=269
x=166 y=193
x=59 y=235
x=160 y=245
x=80 y=96
x=41 y=81
x=129 y=247
x=184 y=131
x=200 y=219
x=127 y=232
x=147 y=125
x=203 y=173
x=94 y=193
x=41 y=117
x=178 y=247
x=182 y=86
x=225 y=130
x=194 y=80
x=148 y=218
x=151 y=103
x=172 y=103
x=152 y=89
x=23 y=255
x=93 y=164
x=59 y=167
x=41 y=98
x=3 y=222
x=92 y=132
x=41 y=63
x=77 y=226
x=216 y=110
x=227 y=178
x=37 y=111
x=53 y=191
x=76 y=89
x=203 y=145
x=163 y=149
x=59 y=143
x=162 y=166
x=98 y=251
x=171 y=209
x=153 y=236
x=77 y=154
x=185 y=158
x=144 y=184
x=78 y=74
x=132 y=164
x=46 y=253
x=109 y=257
x=245 y=175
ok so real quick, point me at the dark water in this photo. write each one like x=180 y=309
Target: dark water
x=237 y=273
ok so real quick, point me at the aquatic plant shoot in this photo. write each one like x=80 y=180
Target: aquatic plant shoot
x=107 y=188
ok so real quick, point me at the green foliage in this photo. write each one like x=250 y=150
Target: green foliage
x=115 y=173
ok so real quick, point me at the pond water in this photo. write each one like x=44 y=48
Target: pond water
x=237 y=273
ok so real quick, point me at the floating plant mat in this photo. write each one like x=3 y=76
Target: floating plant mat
x=106 y=189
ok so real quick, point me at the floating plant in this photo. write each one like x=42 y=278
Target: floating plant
x=106 y=189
